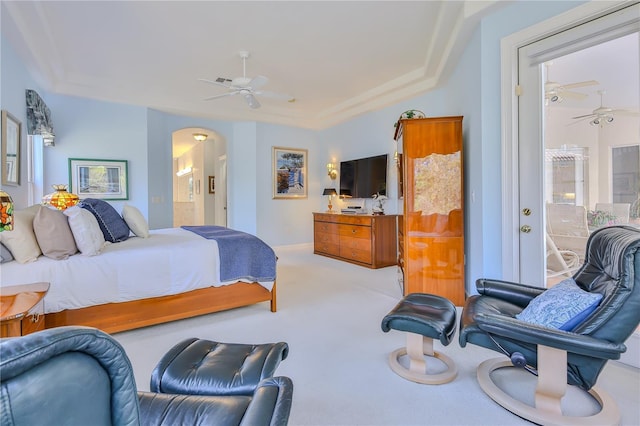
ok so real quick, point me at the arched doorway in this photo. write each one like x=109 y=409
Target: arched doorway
x=195 y=153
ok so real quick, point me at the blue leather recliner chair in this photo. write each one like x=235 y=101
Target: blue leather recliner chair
x=565 y=334
x=82 y=376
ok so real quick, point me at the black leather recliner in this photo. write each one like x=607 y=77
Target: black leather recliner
x=576 y=357
x=82 y=376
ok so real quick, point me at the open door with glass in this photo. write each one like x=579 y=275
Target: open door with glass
x=578 y=145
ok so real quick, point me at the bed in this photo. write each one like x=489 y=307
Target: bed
x=173 y=274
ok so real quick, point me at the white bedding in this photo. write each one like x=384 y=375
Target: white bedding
x=170 y=261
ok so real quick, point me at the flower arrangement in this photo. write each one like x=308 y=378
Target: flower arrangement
x=601 y=218
x=378 y=203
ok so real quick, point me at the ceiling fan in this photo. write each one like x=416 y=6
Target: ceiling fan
x=557 y=92
x=604 y=115
x=245 y=86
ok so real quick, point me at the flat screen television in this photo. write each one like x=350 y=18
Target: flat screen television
x=363 y=177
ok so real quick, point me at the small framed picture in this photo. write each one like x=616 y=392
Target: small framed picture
x=104 y=179
x=212 y=184
x=11 y=137
x=289 y=173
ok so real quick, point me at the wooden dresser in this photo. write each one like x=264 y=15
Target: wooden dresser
x=367 y=240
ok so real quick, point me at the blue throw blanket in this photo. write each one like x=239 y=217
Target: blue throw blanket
x=242 y=255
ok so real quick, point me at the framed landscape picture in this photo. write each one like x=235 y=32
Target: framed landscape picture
x=104 y=179
x=289 y=173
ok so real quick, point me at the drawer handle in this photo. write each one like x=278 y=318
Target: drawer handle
x=353 y=231
x=35 y=317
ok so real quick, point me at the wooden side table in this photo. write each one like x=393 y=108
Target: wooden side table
x=22 y=309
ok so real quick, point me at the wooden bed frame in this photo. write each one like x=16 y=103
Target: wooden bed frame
x=115 y=317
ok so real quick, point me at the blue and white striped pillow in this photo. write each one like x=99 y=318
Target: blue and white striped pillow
x=564 y=306
x=112 y=225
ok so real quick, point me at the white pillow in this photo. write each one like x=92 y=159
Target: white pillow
x=135 y=221
x=86 y=231
x=22 y=242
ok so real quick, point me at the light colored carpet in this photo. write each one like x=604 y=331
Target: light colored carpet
x=329 y=312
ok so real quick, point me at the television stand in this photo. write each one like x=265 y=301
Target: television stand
x=362 y=239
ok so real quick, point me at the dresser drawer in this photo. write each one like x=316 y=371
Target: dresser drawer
x=326 y=248
x=32 y=323
x=327 y=227
x=355 y=231
x=355 y=254
x=324 y=237
x=355 y=220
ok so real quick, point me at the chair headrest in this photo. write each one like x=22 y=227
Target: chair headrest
x=613 y=253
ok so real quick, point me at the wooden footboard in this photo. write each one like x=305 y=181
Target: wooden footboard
x=115 y=317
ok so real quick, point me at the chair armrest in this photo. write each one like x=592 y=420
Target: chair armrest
x=518 y=294
x=271 y=400
x=512 y=328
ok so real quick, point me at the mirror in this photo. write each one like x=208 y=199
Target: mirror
x=11 y=135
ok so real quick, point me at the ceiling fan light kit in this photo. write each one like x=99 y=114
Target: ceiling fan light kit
x=245 y=86
x=604 y=115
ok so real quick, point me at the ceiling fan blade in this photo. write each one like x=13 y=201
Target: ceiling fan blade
x=252 y=101
x=580 y=84
x=574 y=95
x=581 y=120
x=583 y=116
x=224 y=95
x=258 y=81
x=627 y=112
x=274 y=95
x=217 y=83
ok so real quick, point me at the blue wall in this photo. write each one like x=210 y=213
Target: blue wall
x=96 y=129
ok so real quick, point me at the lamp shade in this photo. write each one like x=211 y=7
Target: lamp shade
x=60 y=198
x=6 y=212
x=329 y=191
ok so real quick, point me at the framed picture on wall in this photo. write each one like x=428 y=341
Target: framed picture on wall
x=11 y=136
x=289 y=173
x=212 y=184
x=104 y=179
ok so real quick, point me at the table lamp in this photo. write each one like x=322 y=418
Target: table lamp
x=60 y=198
x=330 y=192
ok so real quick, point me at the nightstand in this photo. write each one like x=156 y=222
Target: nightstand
x=22 y=309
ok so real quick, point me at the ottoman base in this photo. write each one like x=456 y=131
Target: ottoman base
x=417 y=348
x=423 y=317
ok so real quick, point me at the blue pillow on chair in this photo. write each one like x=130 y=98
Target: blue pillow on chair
x=112 y=225
x=564 y=306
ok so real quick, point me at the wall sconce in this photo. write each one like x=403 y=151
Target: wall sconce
x=330 y=192
x=184 y=171
x=200 y=137
x=331 y=171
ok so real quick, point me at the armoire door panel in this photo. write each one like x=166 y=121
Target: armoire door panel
x=432 y=227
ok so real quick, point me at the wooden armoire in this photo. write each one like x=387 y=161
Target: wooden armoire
x=431 y=227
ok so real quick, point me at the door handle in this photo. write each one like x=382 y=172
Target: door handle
x=525 y=228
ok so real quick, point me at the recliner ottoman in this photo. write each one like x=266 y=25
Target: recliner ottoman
x=424 y=317
x=204 y=367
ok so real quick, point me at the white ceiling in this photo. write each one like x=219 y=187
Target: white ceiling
x=338 y=59
x=615 y=65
